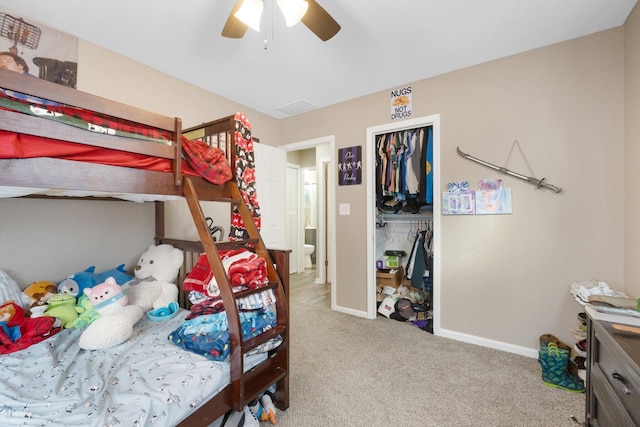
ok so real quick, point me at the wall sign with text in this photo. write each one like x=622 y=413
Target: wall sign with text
x=401 y=101
x=350 y=165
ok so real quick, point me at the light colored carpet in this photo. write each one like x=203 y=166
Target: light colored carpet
x=349 y=371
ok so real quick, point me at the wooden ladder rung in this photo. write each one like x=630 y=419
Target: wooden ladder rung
x=254 y=342
x=268 y=372
x=235 y=244
x=246 y=292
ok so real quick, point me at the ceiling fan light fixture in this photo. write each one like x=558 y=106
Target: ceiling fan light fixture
x=293 y=10
x=250 y=13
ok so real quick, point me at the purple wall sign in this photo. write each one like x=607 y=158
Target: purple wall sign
x=350 y=166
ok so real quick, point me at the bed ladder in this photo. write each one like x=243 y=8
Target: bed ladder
x=274 y=370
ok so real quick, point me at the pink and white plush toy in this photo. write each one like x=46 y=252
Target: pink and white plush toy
x=117 y=317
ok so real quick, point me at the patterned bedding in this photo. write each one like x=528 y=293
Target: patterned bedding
x=80 y=118
x=147 y=381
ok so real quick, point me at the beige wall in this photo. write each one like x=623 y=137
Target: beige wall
x=504 y=278
x=632 y=154
x=507 y=278
x=52 y=239
x=106 y=74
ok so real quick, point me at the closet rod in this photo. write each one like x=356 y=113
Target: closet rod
x=403 y=218
x=537 y=182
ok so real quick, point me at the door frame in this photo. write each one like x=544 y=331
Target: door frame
x=330 y=217
x=295 y=259
x=323 y=268
x=434 y=121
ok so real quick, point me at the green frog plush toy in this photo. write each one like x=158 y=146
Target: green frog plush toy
x=86 y=313
x=63 y=307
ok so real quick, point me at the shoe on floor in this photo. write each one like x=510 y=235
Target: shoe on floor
x=580 y=361
x=546 y=339
x=581 y=348
x=553 y=362
x=582 y=317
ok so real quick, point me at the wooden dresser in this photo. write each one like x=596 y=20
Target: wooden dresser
x=613 y=373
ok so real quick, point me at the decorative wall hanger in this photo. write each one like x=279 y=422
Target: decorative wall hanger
x=530 y=179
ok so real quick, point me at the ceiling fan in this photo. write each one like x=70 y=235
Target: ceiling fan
x=247 y=13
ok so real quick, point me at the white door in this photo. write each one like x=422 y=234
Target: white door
x=270 y=186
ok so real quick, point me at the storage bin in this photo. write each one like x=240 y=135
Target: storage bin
x=390 y=277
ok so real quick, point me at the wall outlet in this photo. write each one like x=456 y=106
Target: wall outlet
x=345 y=209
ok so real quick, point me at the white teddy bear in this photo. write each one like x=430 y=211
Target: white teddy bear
x=155 y=276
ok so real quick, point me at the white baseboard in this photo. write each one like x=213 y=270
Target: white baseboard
x=458 y=336
x=350 y=311
x=498 y=345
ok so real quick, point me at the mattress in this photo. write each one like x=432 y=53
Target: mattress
x=145 y=381
x=7 y=192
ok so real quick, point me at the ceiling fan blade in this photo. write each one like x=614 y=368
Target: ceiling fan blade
x=320 y=22
x=234 y=28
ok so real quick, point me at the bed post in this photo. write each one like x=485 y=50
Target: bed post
x=177 y=160
x=280 y=258
x=159 y=219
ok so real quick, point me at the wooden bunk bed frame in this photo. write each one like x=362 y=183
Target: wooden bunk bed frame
x=73 y=175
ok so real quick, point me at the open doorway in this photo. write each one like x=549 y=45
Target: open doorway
x=315 y=201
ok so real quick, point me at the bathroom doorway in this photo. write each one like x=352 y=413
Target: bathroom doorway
x=314 y=159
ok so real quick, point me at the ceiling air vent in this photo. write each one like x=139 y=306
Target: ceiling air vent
x=297 y=107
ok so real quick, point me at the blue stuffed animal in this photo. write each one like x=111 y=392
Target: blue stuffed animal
x=75 y=284
x=119 y=274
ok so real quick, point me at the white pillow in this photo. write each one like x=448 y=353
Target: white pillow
x=9 y=290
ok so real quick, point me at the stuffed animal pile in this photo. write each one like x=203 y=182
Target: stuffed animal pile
x=107 y=304
x=120 y=307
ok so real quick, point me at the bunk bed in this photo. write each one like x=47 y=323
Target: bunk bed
x=133 y=166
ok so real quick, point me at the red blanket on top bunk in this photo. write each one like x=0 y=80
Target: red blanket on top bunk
x=22 y=146
x=201 y=159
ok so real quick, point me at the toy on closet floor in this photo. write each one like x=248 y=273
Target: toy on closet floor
x=155 y=276
x=117 y=317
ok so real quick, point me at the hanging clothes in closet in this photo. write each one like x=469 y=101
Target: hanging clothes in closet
x=404 y=172
x=420 y=262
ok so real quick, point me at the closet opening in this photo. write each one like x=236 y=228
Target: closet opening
x=403 y=224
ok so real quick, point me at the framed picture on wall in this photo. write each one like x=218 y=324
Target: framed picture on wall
x=31 y=48
x=350 y=165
